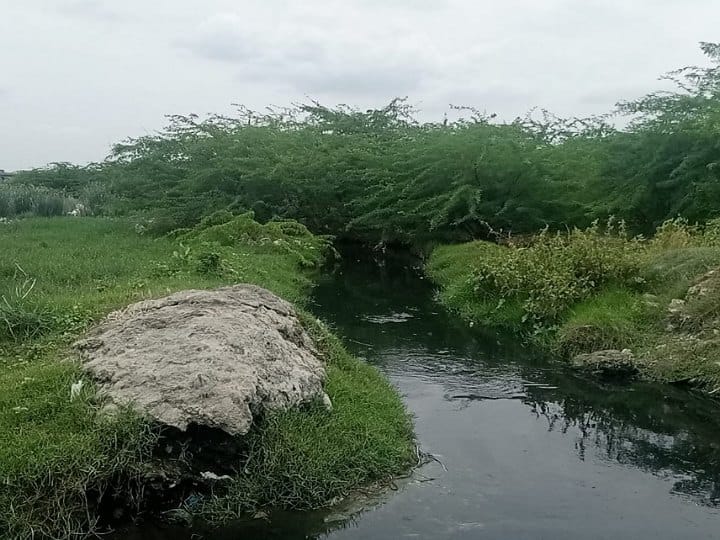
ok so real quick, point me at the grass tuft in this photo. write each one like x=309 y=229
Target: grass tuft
x=609 y=320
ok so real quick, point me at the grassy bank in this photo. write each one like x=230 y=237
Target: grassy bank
x=58 y=455
x=594 y=289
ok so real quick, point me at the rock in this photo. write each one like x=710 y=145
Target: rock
x=677 y=316
x=676 y=305
x=607 y=363
x=697 y=310
x=209 y=475
x=327 y=403
x=708 y=284
x=208 y=358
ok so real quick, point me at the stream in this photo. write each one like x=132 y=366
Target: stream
x=523 y=448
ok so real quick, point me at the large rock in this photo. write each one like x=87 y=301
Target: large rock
x=208 y=358
x=607 y=363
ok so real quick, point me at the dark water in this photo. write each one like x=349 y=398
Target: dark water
x=525 y=449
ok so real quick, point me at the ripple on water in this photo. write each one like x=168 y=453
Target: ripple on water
x=399 y=317
x=461 y=378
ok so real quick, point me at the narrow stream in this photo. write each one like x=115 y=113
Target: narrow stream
x=524 y=448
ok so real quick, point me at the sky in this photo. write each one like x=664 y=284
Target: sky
x=77 y=76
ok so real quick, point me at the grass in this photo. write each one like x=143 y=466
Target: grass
x=24 y=200
x=57 y=454
x=611 y=319
x=616 y=305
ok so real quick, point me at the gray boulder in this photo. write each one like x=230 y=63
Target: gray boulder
x=607 y=363
x=209 y=358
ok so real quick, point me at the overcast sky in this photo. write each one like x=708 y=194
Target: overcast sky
x=78 y=75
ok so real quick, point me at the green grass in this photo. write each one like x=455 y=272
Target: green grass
x=611 y=319
x=670 y=272
x=57 y=454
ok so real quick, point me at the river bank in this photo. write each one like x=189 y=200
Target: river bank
x=60 y=460
x=598 y=289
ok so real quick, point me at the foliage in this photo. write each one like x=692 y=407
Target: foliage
x=668 y=163
x=553 y=272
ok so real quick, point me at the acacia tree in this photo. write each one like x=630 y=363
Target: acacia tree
x=382 y=175
x=668 y=163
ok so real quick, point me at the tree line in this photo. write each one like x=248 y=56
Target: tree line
x=382 y=175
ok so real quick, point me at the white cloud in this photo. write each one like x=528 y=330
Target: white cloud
x=92 y=9
x=308 y=55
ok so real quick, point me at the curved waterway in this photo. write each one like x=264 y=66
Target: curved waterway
x=523 y=448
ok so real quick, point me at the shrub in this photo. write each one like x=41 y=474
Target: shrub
x=221 y=232
x=209 y=262
x=98 y=197
x=557 y=270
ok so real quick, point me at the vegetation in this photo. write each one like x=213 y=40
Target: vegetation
x=383 y=176
x=542 y=280
x=58 y=455
x=591 y=289
x=209 y=201
x=17 y=200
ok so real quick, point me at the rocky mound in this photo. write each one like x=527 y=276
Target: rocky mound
x=607 y=364
x=700 y=309
x=207 y=358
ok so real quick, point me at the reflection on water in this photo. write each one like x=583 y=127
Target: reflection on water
x=524 y=448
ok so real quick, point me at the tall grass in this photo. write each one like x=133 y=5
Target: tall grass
x=21 y=317
x=18 y=200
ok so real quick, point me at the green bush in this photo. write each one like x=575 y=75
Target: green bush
x=217 y=236
x=557 y=270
